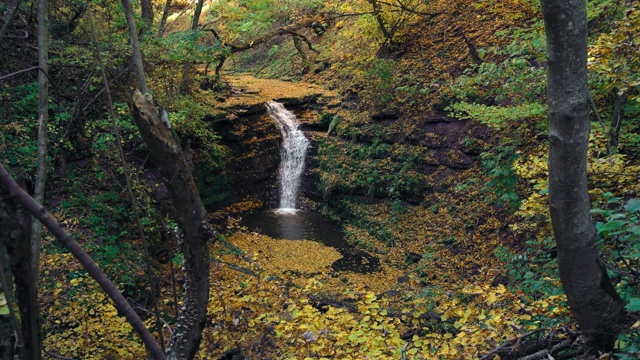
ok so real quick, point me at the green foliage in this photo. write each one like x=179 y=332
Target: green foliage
x=519 y=79
x=19 y=130
x=503 y=178
x=619 y=236
x=497 y=116
x=192 y=46
x=378 y=169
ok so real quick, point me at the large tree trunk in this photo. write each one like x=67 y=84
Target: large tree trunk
x=15 y=236
x=593 y=300
x=152 y=121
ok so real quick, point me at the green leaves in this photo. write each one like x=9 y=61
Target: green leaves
x=634 y=304
x=4 y=307
x=632 y=206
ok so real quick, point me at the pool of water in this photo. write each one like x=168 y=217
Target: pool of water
x=308 y=225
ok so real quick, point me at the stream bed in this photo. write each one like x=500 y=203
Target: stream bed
x=308 y=225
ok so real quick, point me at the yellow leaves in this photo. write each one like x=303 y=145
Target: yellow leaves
x=286 y=256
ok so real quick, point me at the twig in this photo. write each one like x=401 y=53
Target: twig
x=541 y=353
x=240 y=269
x=510 y=342
x=616 y=173
x=20 y=72
x=161 y=319
x=604 y=131
x=25 y=35
x=632 y=274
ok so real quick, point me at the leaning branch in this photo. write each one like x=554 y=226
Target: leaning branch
x=235 y=48
x=38 y=212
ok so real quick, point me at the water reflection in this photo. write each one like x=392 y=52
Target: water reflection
x=306 y=225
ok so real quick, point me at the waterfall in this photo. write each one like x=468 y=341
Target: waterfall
x=292 y=153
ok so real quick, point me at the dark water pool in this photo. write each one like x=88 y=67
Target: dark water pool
x=308 y=225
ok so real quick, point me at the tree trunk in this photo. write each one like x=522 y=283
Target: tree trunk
x=163 y=21
x=135 y=45
x=593 y=300
x=616 y=121
x=11 y=10
x=29 y=264
x=146 y=11
x=167 y=153
x=15 y=236
x=184 y=84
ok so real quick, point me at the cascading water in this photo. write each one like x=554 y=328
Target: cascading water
x=291 y=224
x=293 y=153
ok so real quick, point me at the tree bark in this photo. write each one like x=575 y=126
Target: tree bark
x=593 y=300
x=163 y=20
x=32 y=255
x=10 y=12
x=146 y=11
x=16 y=193
x=191 y=215
x=135 y=45
x=184 y=84
x=15 y=236
x=155 y=128
x=616 y=121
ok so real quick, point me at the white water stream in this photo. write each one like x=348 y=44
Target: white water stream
x=292 y=153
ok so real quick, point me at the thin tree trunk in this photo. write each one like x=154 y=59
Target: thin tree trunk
x=382 y=24
x=184 y=84
x=136 y=212
x=16 y=193
x=593 y=300
x=43 y=117
x=163 y=21
x=10 y=12
x=616 y=121
x=135 y=45
x=146 y=11
x=30 y=296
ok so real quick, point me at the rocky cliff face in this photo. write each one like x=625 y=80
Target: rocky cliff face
x=253 y=140
x=253 y=143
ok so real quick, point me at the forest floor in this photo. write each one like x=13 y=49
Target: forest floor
x=247 y=90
